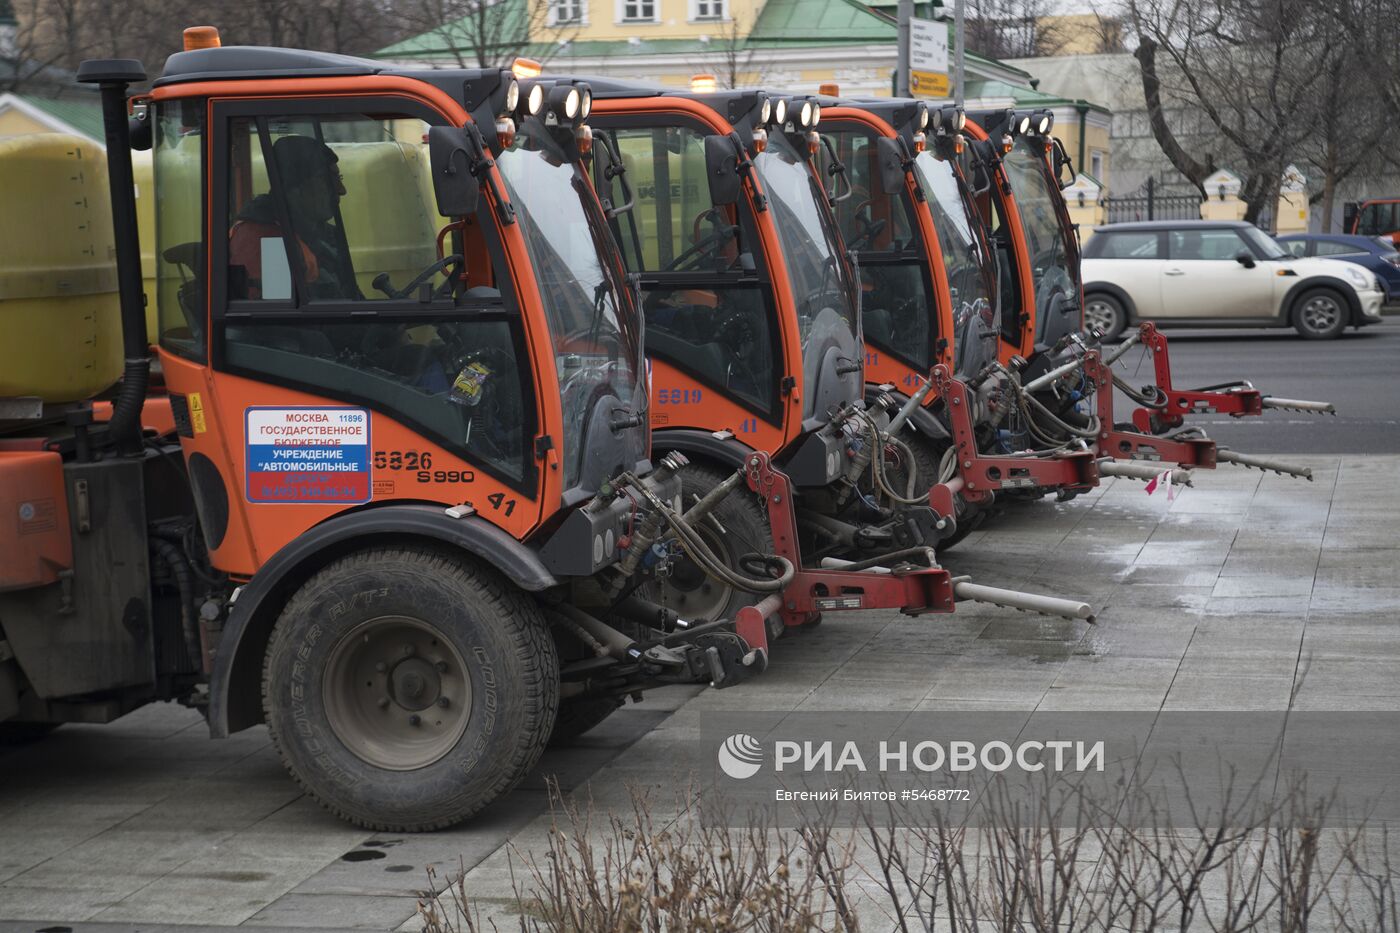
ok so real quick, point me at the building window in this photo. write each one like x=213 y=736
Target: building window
x=566 y=12
x=1096 y=165
x=708 y=10
x=638 y=11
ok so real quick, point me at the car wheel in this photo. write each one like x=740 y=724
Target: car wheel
x=1320 y=314
x=1104 y=314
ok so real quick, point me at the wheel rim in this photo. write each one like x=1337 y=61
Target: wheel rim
x=688 y=589
x=1321 y=314
x=1099 y=316
x=397 y=693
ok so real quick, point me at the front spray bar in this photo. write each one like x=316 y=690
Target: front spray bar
x=1237 y=400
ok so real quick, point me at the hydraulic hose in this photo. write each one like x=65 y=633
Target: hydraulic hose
x=708 y=561
x=184 y=584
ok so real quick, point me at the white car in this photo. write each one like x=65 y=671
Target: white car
x=1203 y=273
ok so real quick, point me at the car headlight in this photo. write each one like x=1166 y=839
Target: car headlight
x=1360 y=279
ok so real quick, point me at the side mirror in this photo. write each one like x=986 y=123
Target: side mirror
x=456 y=189
x=891 y=158
x=1245 y=258
x=722 y=169
x=1062 y=162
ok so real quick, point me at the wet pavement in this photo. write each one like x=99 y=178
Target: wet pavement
x=1247 y=592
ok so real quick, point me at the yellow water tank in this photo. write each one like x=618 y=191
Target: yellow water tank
x=60 y=327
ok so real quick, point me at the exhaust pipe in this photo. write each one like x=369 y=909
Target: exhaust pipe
x=1293 y=404
x=1143 y=471
x=1224 y=455
x=114 y=76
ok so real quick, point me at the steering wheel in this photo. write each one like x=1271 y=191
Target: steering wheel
x=381 y=281
x=869 y=231
x=722 y=233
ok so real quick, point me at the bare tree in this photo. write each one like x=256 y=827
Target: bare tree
x=1245 y=73
x=491 y=33
x=738 y=59
x=64 y=32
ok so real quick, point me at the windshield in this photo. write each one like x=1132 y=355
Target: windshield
x=1264 y=245
x=1054 y=265
x=827 y=312
x=976 y=320
x=593 y=321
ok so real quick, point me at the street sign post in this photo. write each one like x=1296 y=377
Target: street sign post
x=928 y=58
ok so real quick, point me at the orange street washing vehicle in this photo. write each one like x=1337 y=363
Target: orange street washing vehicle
x=1375 y=217
x=403 y=508
x=753 y=323
x=1028 y=215
x=934 y=309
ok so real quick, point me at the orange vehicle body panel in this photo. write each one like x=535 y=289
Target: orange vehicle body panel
x=880 y=368
x=38 y=545
x=710 y=410
x=1002 y=188
x=257 y=530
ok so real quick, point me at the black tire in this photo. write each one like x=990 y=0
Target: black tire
x=1105 y=314
x=928 y=460
x=579 y=714
x=464 y=631
x=745 y=531
x=1320 y=314
x=24 y=733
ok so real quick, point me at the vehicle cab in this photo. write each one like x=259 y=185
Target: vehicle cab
x=752 y=314
x=1028 y=223
x=356 y=335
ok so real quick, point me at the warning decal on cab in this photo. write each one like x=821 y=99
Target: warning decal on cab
x=302 y=455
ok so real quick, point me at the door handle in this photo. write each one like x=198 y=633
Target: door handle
x=1175 y=272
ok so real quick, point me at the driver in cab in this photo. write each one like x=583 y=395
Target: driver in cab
x=310 y=190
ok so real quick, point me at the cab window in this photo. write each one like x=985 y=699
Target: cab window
x=1378 y=217
x=332 y=281
x=179 y=171
x=877 y=226
x=707 y=312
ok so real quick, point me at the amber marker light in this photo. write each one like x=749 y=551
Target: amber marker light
x=526 y=68
x=202 y=37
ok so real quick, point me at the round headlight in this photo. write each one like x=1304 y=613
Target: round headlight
x=961 y=120
x=1023 y=126
x=923 y=117
x=587 y=106
x=1045 y=123
x=512 y=96
x=816 y=114
x=804 y=116
x=780 y=111
x=765 y=112
x=571 y=103
x=535 y=100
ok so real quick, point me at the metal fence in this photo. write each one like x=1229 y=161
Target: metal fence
x=1148 y=204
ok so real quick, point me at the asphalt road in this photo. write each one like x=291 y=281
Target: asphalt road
x=1358 y=372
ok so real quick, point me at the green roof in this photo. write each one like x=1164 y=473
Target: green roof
x=835 y=22
x=83 y=116
x=1023 y=96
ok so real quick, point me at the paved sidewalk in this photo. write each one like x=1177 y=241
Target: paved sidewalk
x=1247 y=592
